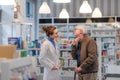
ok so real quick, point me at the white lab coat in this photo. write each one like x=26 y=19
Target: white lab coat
x=49 y=58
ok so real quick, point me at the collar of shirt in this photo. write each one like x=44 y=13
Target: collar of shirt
x=52 y=41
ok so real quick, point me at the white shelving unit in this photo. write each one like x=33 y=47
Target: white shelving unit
x=16 y=29
x=9 y=65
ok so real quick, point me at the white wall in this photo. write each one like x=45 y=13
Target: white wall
x=7 y=18
x=8 y=29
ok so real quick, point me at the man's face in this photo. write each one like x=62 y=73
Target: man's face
x=78 y=33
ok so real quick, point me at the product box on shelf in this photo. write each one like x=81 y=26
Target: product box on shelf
x=72 y=63
x=15 y=41
x=118 y=54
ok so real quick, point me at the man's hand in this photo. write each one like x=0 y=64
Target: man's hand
x=75 y=41
x=78 y=69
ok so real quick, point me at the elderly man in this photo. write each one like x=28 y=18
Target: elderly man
x=84 y=49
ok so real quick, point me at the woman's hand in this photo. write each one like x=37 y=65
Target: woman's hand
x=54 y=68
x=60 y=66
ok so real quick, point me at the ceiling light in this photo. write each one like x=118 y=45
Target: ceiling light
x=97 y=13
x=64 y=14
x=44 y=9
x=62 y=1
x=85 y=7
x=7 y=2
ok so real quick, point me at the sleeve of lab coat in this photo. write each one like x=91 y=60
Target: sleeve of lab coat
x=44 y=60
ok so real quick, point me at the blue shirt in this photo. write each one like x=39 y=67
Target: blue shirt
x=52 y=41
x=78 y=53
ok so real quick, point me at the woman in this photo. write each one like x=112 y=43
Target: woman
x=48 y=54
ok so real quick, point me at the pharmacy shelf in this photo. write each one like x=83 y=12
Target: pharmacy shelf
x=101 y=29
x=103 y=36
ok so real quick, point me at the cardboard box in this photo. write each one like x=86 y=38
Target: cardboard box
x=7 y=51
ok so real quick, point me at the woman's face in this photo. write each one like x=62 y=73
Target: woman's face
x=55 y=34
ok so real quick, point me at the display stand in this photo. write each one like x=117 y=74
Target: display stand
x=9 y=65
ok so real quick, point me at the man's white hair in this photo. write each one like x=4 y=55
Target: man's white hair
x=82 y=27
